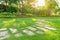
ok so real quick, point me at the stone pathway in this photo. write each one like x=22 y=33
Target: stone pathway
x=38 y=28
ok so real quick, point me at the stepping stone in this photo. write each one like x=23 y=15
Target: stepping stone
x=43 y=29
x=41 y=22
x=13 y=30
x=3 y=29
x=32 y=28
x=28 y=32
x=47 y=25
x=18 y=34
x=1 y=38
x=4 y=35
x=50 y=28
x=39 y=32
x=37 y=25
x=46 y=22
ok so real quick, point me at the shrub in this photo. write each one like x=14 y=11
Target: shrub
x=6 y=14
x=2 y=8
x=12 y=9
x=8 y=8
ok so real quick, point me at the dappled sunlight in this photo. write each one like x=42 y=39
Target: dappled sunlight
x=51 y=23
x=39 y=3
x=24 y=23
x=9 y=22
x=51 y=33
x=34 y=19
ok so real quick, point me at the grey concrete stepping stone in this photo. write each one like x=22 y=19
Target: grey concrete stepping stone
x=45 y=22
x=13 y=30
x=1 y=38
x=41 y=22
x=4 y=35
x=3 y=29
x=37 y=25
x=43 y=29
x=18 y=35
x=39 y=32
x=28 y=32
x=50 y=28
x=32 y=28
x=47 y=25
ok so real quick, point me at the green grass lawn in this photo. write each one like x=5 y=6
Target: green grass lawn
x=20 y=23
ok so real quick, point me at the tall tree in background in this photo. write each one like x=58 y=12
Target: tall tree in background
x=50 y=5
x=25 y=6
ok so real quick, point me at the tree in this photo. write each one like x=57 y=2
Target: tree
x=25 y=6
x=50 y=6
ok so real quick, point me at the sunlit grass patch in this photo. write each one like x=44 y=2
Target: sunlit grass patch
x=24 y=23
x=8 y=22
x=16 y=22
x=34 y=19
x=51 y=33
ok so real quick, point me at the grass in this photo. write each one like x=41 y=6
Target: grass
x=19 y=23
x=16 y=22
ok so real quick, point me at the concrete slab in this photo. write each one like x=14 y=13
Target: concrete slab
x=28 y=32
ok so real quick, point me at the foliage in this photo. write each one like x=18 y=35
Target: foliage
x=24 y=7
x=50 y=6
x=9 y=8
x=12 y=9
x=6 y=14
x=2 y=8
